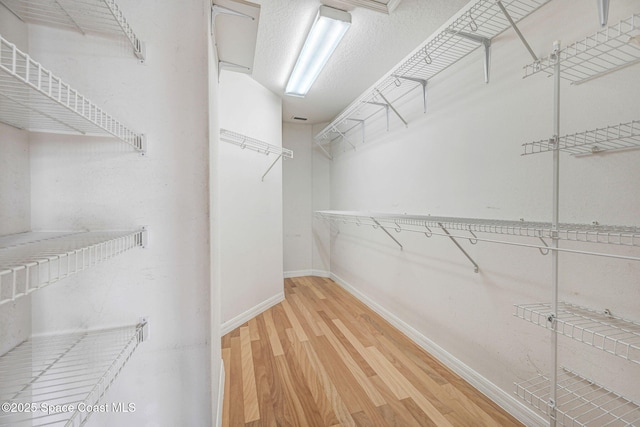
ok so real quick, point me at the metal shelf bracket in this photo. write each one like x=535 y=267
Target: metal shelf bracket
x=323 y=150
x=386 y=107
x=270 y=167
x=388 y=234
x=455 y=242
x=335 y=129
x=362 y=124
x=423 y=82
x=517 y=30
x=486 y=42
x=392 y=108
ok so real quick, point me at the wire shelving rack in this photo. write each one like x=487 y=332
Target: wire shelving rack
x=33 y=98
x=580 y=401
x=473 y=27
x=30 y=261
x=102 y=17
x=616 y=137
x=588 y=233
x=604 y=331
x=75 y=369
x=606 y=51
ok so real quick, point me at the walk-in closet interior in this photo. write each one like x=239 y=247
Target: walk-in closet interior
x=438 y=228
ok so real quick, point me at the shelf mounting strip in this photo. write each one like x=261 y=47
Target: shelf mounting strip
x=32 y=98
x=87 y=16
x=256 y=145
x=474 y=26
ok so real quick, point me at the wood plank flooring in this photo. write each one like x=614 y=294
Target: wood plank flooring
x=322 y=358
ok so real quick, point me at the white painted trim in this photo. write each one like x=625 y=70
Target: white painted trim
x=303 y=273
x=231 y=324
x=220 y=395
x=505 y=400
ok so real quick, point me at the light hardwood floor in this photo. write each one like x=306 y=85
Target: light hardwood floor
x=322 y=358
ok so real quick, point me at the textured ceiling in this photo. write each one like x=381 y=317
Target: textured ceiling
x=373 y=45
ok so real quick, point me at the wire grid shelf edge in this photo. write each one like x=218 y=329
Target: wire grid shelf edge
x=244 y=141
x=102 y=17
x=612 y=334
x=445 y=47
x=579 y=401
x=614 y=235
x=615 y=137
x=606 y=51
x=33 y=98
x=35 y=260
x=74 y=369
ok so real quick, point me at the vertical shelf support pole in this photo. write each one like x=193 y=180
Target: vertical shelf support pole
x=455 y=242
x=603 y=12
x=554 y=236
x=392 y=108
x=423 y=82
x=388 y=234
x=517 y=30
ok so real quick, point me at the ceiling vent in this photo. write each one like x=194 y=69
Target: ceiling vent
x=302 y=119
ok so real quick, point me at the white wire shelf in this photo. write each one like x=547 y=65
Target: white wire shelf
x=606 y=51
x=72 y=369
x=30 y=261
x=580 y=402
x=32 y=98
x=483 y=19
x=616 y=137
x=102 y=17
x=612 y=334
x=244 y=141
x=613 y=235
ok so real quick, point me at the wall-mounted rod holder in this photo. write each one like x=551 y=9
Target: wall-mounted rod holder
x=517 y=30
x=485 y=42
x=388 y=234
x=455 y=242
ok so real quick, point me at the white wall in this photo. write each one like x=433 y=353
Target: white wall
x=463 y=159
x=84 y=182
x=251 y=242
x=15 y=187
x=297 y=199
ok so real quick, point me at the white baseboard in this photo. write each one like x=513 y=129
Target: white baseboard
x=505 y=400
x=303 y=273
x=231 y=324
x=220 y=395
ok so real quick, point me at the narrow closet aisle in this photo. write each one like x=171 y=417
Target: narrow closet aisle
x=323 y=358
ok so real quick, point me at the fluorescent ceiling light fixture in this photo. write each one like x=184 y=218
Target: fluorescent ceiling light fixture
x=325 y=35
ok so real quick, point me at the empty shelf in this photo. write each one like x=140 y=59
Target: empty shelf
x=580 y=402
x=30 y=261
x=84 y=16
x=484 y=20
x=608 y=50
x=614 y=235
x=254 y=144
x=32 y=98
x=612 y=334
x=76 y=370
x=617 y=137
